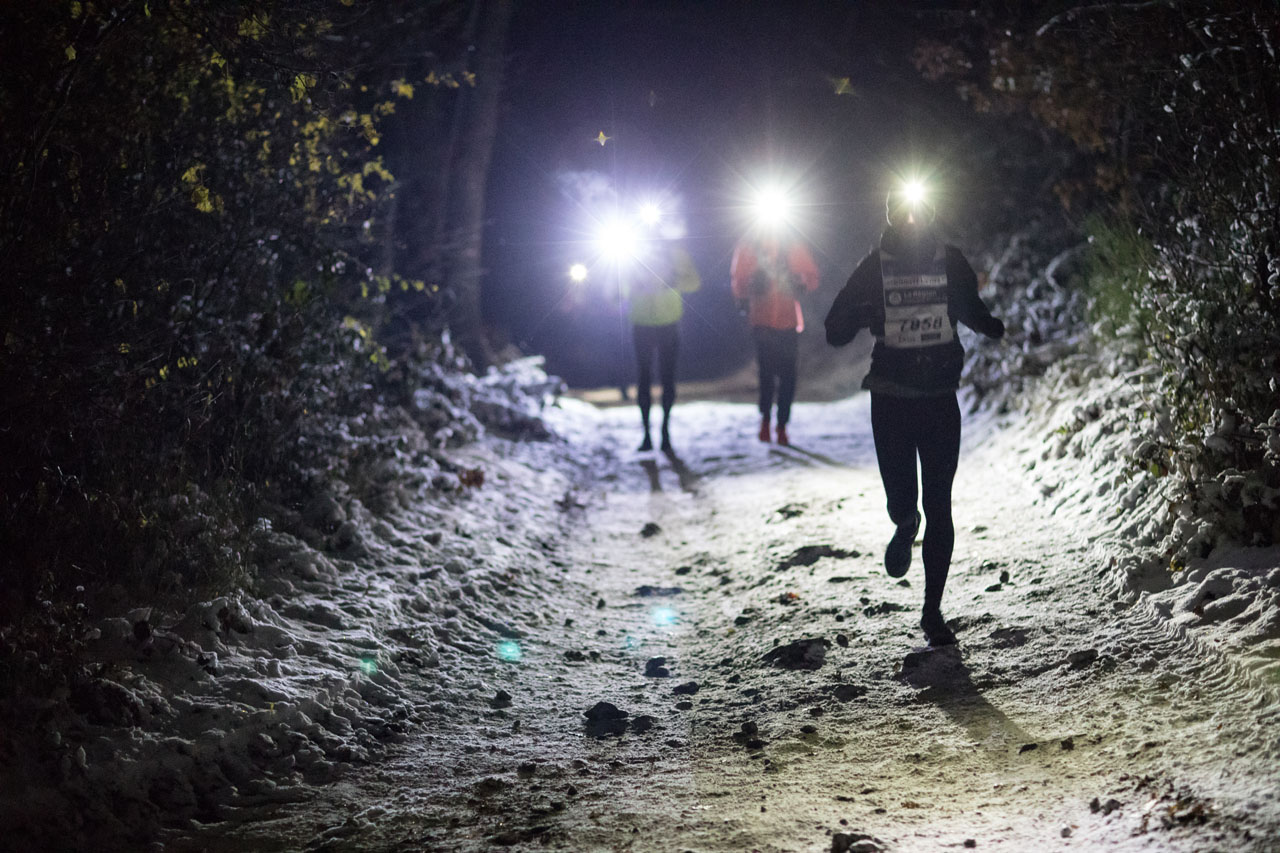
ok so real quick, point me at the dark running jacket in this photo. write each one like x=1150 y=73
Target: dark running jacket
x=911 y=364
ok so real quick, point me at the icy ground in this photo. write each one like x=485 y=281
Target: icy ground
x=730 y=601
x=431 y=677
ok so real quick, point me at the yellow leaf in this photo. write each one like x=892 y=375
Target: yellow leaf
x=71 y=52
x=301 y=83
x=124 y=349
x=76 y=10
x=254 y=27
x=200 y=195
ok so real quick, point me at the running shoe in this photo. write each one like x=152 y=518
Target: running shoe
x=897 y=557
x=935 y=628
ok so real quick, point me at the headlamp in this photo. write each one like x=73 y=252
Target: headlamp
x=909 y=203
x=914 y=193
x=618 y=241
x=772 y=207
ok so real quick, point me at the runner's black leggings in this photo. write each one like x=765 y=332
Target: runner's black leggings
x=927 y=427
x=776 y=358
x=665 y=340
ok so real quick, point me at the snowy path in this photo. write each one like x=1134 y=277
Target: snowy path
x=1060 y=722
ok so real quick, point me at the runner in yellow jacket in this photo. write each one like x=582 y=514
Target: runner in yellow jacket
x=654 y=291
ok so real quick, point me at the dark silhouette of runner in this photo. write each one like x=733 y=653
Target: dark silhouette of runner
x=911 y=292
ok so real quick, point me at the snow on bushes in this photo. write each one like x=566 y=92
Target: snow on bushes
x=360 y=596
x=1177 y=505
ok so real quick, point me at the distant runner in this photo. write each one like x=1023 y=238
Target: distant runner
x=910 y=293
x=768 y=273
x=655 y=295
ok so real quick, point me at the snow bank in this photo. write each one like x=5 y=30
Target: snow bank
x=1093 y=440
x=362 y=599
x=1176 y=535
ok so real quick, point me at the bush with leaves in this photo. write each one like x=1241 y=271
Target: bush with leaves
x=190 y=199
x=1175 y=138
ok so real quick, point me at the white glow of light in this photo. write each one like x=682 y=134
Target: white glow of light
x=618 y=241
x=772 y=206
x=913 y=192
x=578 y=272
x=650 y=213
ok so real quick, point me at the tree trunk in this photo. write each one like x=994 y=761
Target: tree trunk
x=469 y=174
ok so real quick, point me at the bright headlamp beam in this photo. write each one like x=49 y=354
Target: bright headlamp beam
x=914 y=193
x=618 y=241
x=772 y=206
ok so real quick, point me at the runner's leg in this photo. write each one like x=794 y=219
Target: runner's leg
x=668 y=353
x=644 y=344
x=938 y=425
x=896 y=455
x=786 y=346
x=765 y=369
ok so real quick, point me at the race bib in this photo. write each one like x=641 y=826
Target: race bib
x=915 y=305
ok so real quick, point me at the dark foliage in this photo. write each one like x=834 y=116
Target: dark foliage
x=1169 y=115
x=191 y=229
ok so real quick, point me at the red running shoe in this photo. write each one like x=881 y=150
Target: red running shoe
x=782 y=436
x=764 y=430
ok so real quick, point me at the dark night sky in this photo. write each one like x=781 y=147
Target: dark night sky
x=699 y=97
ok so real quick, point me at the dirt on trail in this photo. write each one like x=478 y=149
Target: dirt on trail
x=712 y=658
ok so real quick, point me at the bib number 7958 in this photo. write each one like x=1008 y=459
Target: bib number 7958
x=922 y=324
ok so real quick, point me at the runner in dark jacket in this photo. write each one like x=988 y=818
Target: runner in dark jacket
x=911 y=292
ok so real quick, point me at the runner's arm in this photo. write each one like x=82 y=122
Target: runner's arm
x=966 y=306
x=855 y=305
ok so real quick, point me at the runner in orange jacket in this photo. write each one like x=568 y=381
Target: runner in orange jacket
x=768 y=273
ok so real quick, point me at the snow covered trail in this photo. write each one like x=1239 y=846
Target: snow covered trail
x=732 y=603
